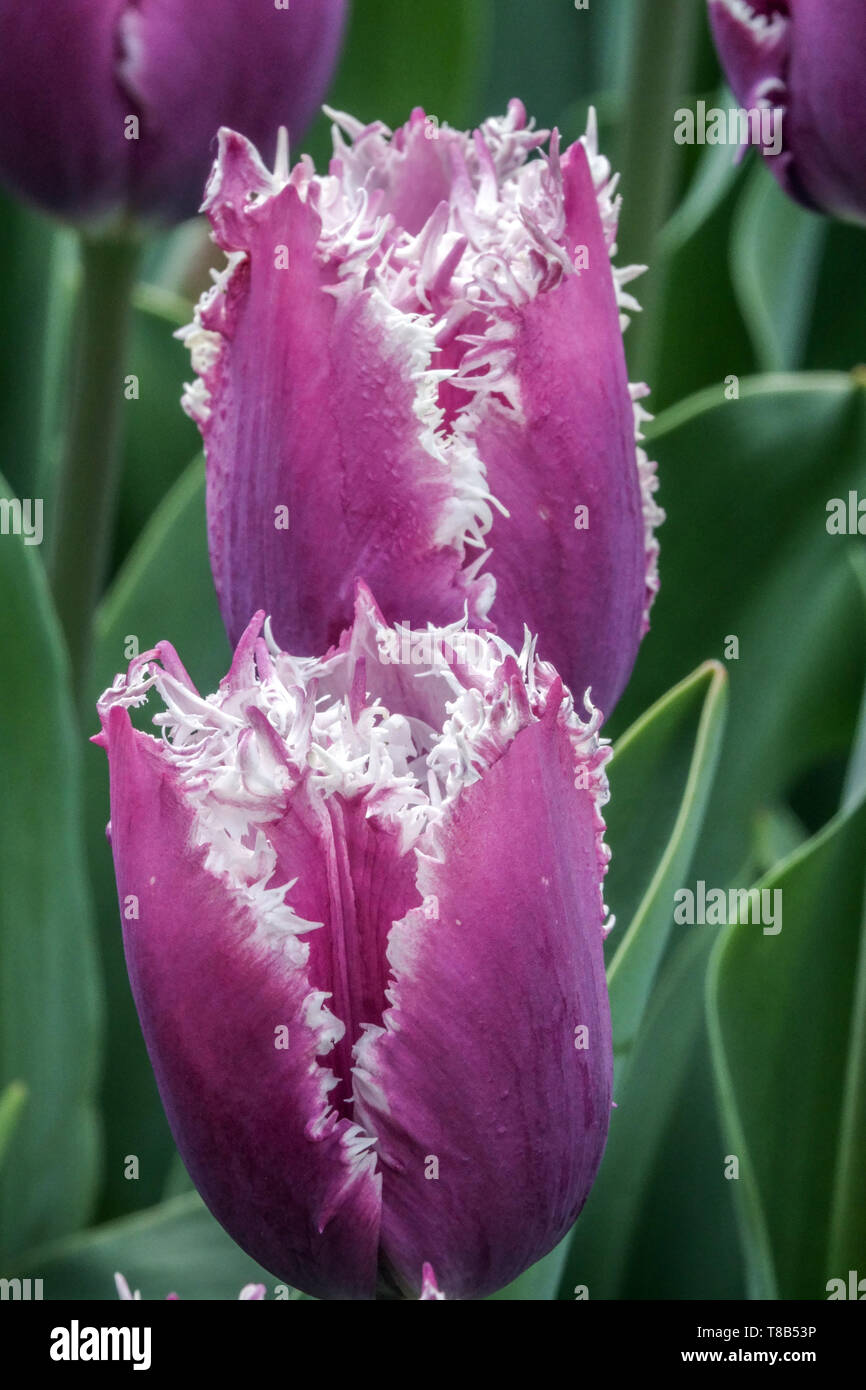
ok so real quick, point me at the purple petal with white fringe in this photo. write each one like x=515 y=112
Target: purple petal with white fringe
x=361 y=899
x=412 y=373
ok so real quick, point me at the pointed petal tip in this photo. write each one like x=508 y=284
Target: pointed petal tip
x=252 y=1293
x=238 y=172
x=430 y=1291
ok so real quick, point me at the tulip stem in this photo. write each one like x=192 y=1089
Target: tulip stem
x=661 y=79
x=86 y=498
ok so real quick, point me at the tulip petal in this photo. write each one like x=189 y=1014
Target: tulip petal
x=754 y=40
x=332 y=469
x=825 y=120
x=290 y=1181
x=491 y=1119
x=352 y=877
x=579 y=578
x=429 y=1288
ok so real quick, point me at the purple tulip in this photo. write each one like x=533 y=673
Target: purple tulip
x=805 y=57
x=412 y=373
x=362 y=914
x=74 y=72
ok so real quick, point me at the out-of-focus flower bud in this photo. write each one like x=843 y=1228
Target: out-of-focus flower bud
x=109 y=108
x=806 y=59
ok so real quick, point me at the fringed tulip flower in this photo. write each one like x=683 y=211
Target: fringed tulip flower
x=109 y=108
x=363 y=921
x=412 y=373
x=806 y=59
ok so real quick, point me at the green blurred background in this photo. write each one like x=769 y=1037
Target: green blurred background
x=729 y=1043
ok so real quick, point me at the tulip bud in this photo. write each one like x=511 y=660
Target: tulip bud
x=412 y=373
x=109 y=108
x=804 y=57
x=363 y=921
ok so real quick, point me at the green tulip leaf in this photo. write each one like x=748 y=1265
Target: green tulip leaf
x=175 y=1247
x=716 y=175
x=49 y=984
x=555 y=58
x=12 y=1102
x=751 y=574
x=855 y=776
x=39 y=271
x=787 y=1021
x=678 y=354
x=436 y=61
x=158 y=439
x=835 y=338
x=777 y=833
x=661 y=777
x=776 y=291
x=660 y=1195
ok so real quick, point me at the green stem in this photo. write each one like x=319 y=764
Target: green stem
x=86 y=499
x=61 y=271
x=661 y=79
